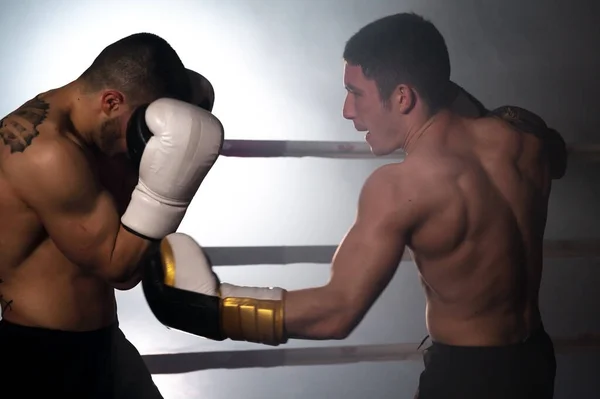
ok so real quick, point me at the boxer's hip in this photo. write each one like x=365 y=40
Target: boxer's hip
x=93 y=364
x=523 y=370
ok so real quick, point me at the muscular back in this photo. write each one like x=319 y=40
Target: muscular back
x=479 y=247
x=39 y=285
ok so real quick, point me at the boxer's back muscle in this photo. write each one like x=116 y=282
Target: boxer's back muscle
x=479 y=251
x=39 y=286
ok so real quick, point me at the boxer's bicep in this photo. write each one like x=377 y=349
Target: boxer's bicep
x=79 y=215
x=371 y=251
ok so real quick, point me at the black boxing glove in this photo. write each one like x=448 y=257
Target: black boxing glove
x=464 y=103
x=138 y=134
x=203 y=93
x=528 y=122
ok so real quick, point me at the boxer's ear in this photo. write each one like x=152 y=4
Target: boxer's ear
x=404 y=98
x=112 y=101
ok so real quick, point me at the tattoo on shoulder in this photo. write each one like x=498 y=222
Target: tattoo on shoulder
x=19 y=128
x=4 y=303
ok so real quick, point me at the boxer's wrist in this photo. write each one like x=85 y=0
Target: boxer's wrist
x=253 y=314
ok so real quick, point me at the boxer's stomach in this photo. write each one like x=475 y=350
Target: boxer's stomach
x=48 y=291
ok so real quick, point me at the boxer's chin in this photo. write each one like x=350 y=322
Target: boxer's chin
x=380 y=152
x=377 y=149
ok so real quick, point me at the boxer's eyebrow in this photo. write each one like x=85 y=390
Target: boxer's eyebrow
x=352 y=89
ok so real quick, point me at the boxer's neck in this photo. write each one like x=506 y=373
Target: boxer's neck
x=80 y=114
x=63 y=106
x=421 y=127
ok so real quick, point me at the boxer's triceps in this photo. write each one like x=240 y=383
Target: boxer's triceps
x=362 y=267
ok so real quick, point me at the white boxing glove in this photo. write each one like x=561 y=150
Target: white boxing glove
x=189 y=269
x=185 y=143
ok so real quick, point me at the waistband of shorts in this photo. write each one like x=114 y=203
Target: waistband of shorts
x=8 y=328
x=538 y=335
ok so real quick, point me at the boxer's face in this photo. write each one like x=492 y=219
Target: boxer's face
x=369 y=113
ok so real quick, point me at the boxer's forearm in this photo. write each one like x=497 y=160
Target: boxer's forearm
x=317 y=314
x=125 y=268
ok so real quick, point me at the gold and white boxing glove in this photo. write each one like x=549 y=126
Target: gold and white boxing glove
x=184 y=293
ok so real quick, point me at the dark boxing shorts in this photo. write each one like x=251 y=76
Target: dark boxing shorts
x=37 y=362
x=521 y=371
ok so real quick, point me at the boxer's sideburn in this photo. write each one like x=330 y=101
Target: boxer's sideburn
x=18 y=129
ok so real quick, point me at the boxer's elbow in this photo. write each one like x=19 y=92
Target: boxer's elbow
x=330 y=326
x=340 y=329
x=126 y=282
x=336 y=327
x=119 y=274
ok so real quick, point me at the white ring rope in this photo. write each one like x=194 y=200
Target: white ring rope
x=339 y=149
x=323 y=254
x=175 y=363
x=284 y=148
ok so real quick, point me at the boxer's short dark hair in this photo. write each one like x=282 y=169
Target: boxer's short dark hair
x=143 y=66
x=403 y=48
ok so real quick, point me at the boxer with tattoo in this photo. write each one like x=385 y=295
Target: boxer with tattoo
x=90 y=178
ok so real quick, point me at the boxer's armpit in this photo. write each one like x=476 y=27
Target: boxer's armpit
x=20 y=128
x=55 y=179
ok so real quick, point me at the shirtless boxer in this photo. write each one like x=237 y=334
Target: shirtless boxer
x=92 y=174
x=469 y=202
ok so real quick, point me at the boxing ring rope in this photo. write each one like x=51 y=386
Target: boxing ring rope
x=323 y=254
x=341 y=150
x=298 y=149
x=174 y=363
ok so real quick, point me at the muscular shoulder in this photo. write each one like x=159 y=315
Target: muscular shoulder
x=47 y=154
x=387 y=195
x=51 y=167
